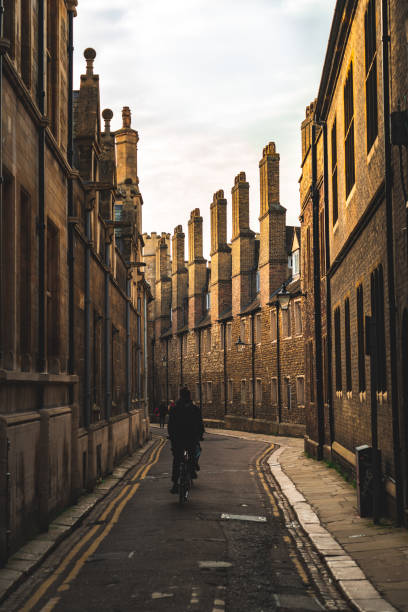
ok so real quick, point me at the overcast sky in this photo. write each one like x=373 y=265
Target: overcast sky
x=209 y=83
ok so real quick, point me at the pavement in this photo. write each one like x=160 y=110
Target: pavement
x=368 y=562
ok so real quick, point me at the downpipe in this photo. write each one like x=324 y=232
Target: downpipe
x=390 y=260
x=107 y=336
x=127 y=365
x=317 y=298
x=70 y=205
x=41 y=196
x=87 y=398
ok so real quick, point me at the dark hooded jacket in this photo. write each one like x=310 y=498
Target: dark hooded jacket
x=185 y=424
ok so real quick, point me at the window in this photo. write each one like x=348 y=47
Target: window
x=349 y=131
x=209 y=397
x=337 y=348
x=9 y=24
x=243 y=391
x=222 y=336
x=347 y=339
x=53 y=301
x=325 y=360
x=258 y=329
x=335 y=197
x=273 y=325
x=274 y=391
x=300 y=390
x=308 y=257
x=197 y=339
x=52 y=64
x=288 y=393
x=25 y=48
x=229 y=336
x=25 y=273
x=242 y=330
x=371 y=74
x=298 y=317
x=185 y=344
x=257 y=282
x=230 y=391
x=377 y=312
x=185 y=311
x=295 y=263
x=286 y=327
x=258 y=390
x=208 y=340
x=322 y=245
x=310 y=366
x=360 y=339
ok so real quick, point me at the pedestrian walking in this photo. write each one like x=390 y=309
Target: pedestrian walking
x=162 y=413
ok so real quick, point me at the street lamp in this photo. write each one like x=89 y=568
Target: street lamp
x=283 y=298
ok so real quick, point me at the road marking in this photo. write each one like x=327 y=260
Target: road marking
x=243 y=517
x=50 y=605
x=35 y=598
x=130 y=555
x=214 y=564
x=261 y=477
x=162 y=595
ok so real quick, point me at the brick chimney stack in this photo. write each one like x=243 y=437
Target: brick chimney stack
x=197 y=269
x=126 y=150
x=163 y=287
x=179 y=278
x=243 y=246
x=220 y=258
x=273 y=259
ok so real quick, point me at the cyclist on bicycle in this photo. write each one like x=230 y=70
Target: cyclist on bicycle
x=185 y=428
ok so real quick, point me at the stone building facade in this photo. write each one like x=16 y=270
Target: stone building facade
x=354 y=238
x=217 y=326
x=73 y=297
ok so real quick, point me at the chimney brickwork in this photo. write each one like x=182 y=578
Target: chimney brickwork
x=197 y=268
x=243 y=246
x=221 y=261
x=273 y=259
x=179 y=278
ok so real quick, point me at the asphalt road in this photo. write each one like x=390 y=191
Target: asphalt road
x=140 y=550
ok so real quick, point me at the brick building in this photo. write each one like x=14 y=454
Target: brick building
x=216 y=326
x=72 y=292
x=354 y=237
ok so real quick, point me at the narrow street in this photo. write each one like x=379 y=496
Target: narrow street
x=234 y=546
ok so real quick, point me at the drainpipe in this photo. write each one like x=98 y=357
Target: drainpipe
x=70 y=205
x=278 y=363
x=253 y=365
x=3 y=50
x=181 y=361
x=167 y=372
x=107 y=329
x=199 y=371
x=317 y=299
x=145 y=355
x=328 y=286
x=153 y=376
x=41 y=365
x=127 y=366
x=390 y=258
x=225 y=369
x=90 y=198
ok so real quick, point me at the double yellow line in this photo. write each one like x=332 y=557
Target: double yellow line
x=261 y=477
x=292 y=553
x=125 y=496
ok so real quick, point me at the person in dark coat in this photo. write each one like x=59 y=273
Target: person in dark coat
x=162 y=413
x=185 y=428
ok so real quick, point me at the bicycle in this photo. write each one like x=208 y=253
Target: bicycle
x=185 y=481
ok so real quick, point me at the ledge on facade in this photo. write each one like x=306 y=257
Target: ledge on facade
x=251 y=307
x=205 y=322
x=36 y=377
x=292 y=286
x=183 y=330
x=166 y=334
x=225 y=316
x=143 y=284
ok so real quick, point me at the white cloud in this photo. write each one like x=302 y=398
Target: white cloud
x=209 y=83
